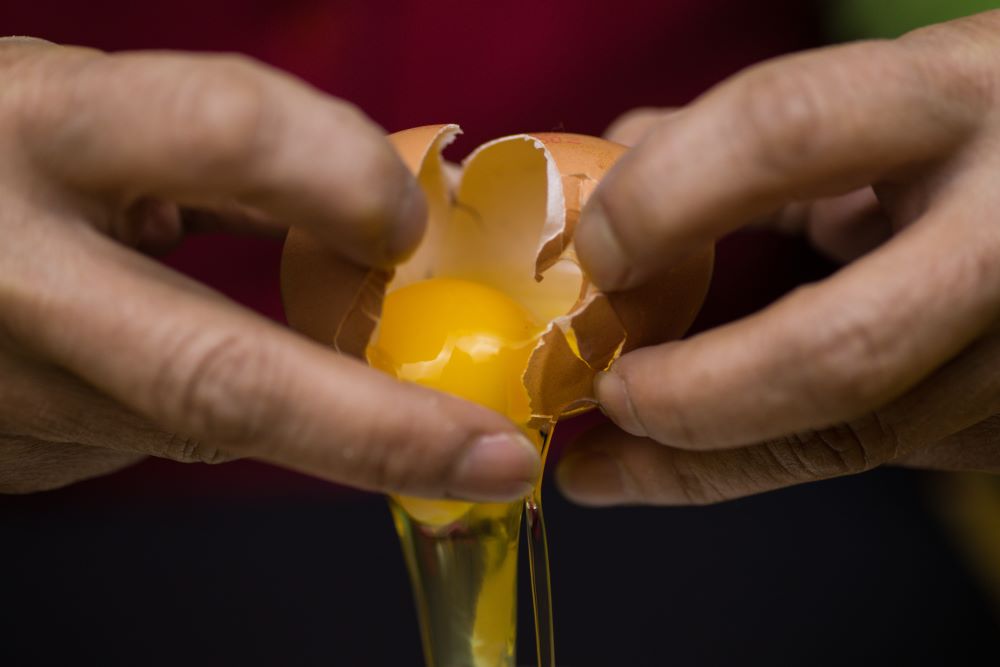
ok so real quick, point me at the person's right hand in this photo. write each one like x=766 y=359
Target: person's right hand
x=107 y=356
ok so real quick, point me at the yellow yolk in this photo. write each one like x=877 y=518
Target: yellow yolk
x=462 y=338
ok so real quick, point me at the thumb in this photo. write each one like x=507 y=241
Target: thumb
x=630 y=128
x=201 y=366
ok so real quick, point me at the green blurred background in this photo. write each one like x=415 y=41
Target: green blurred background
x=853 y=19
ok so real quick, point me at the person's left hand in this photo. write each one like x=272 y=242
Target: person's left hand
x=884 y=153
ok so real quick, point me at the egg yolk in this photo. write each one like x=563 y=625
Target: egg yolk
x=460 y=337
x=463 y=338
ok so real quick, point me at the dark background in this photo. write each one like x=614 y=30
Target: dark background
x=247 y=565
x=849 y=572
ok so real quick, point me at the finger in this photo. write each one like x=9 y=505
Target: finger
x=232 y=218
x=826 y=353
x=155 y=226
x=847 y=227
x=843 y=228
x=205 y=368
x=609 y=467
x=945 y=422
x=630 y=128
x=976 y=448
x=13 y=48
x=801 y=127
x=43 y=404
x=194 y=129
x=28 y=466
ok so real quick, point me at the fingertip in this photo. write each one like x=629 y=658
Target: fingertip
x=497 y=467
x=630 y=128
x=385 y=203
x=600 y=251
x=156 y=225
x=592 y=478
x=411 y=220
x=616 y=402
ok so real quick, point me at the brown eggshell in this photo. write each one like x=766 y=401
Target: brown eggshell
x=339 y=304
x=414 y=144
x=603 y=326
x=582 y=162
x=664 y=308
x=558 y=382
x=329 y=299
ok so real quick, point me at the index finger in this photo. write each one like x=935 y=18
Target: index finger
x=201 y=366
x=828 y=352
x=197 y=128
x=805 y=126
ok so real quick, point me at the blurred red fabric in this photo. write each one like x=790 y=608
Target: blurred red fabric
x=493 y=67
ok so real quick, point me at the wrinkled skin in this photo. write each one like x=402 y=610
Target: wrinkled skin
x=106 y=356
x=886 y=155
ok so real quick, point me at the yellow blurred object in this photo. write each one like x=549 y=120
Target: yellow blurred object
x=462 y=338
x=492 y=306
x=970 y=503
x=472 y=341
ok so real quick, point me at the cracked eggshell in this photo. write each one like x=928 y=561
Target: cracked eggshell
x=327 y=298
x=601 y=326
x=506 y=219
x=333 y=301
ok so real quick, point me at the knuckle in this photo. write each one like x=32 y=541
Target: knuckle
x=396 y=456
x=844 y=449
x=390 y=471
x=696 y=487
x=39 y=92
x=221 y=390
x=185 y=449
x=661 y=475
x=223 y=112
x=780 y=126
x=849 y=361
x=367 y=460
x=971 y=269
x=726 y=475
x=215 y=111
x=958 y=59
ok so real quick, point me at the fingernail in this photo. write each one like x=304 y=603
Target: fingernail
x=600 y=251
x=410 y=224
x=616 y=403
x=498 y=467
x=157 y=224
x=592 y=478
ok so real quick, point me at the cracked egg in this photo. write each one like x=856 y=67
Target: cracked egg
x=493 y=305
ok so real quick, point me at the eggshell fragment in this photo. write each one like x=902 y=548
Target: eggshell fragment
x=506 y=218
x=335 y=302
x=327 y=298
x=603 y=326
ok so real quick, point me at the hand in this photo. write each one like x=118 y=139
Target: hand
x=886 y=152
x=107 y=356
